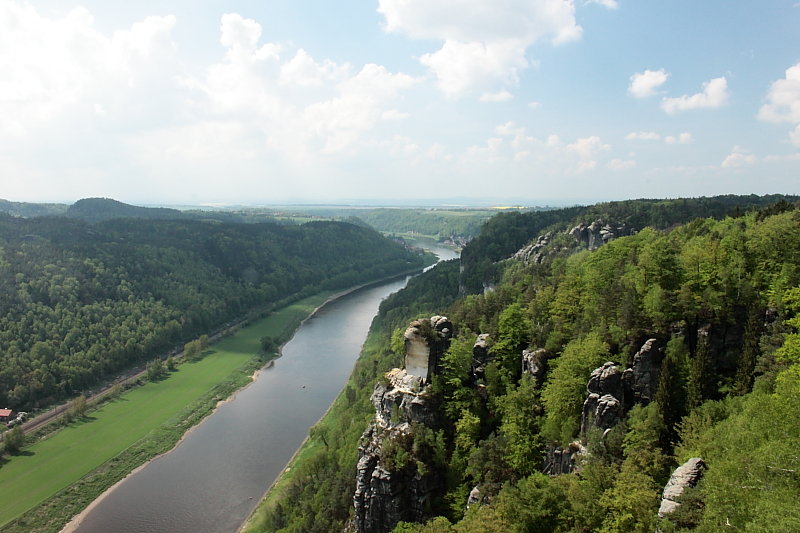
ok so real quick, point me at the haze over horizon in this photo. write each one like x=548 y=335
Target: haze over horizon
x=247 y=102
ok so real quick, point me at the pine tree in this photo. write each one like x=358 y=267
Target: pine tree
x=698 y=387
x=750 y=352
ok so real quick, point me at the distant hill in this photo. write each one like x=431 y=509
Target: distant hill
x=27 y=210
x=94 y=210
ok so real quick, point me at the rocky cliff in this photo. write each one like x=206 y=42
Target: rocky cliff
x=611 y=392
x=395 y=478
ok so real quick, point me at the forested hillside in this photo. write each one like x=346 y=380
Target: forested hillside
x=79 y=302
x=702 y=315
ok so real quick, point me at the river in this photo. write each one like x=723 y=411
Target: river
x=213 y=479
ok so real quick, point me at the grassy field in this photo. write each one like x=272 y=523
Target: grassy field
x=42 y=470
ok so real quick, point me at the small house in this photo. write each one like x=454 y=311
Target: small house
x=6 y=415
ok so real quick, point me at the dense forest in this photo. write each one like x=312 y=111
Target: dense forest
x=714 y=301
x=80 y=302
x=442 y=224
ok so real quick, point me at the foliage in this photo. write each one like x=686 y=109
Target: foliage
x=79 y=303
x=14 y=440
x=699 y=289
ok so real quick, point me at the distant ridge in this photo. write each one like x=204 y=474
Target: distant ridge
x=99 y=209
x=27 y=210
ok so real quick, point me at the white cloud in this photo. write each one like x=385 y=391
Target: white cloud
x=358 y=107
x=795 y=136
x=500 y=96
x=783 y=99
x=535 y=105
x=738 y=158
x=784 y=102
x=302 y=70
x=610 y=4
x=393 y=114
x=715 y=94
x=437 y=153
x=619 y=164
x=643 y=135
x=683 y=138
x=464 y=68
x=484 y=40
x=50 y=69
x=482 y=20
x=644 y=84
x=509 y=128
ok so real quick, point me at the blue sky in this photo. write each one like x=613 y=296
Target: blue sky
x=540 y=101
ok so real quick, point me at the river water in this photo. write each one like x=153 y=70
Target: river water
x=212 y=481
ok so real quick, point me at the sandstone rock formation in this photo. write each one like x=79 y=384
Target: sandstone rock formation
x=426 y=341
x=605 y=394
x=641 y=379
x=594 y=235
x=533 y=252
x=534 y=364
x=388 y=490
x=686 y=475
x=480 y=356
x=559 y=461
x=610 y=392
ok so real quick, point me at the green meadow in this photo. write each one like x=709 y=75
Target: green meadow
x=135 y=427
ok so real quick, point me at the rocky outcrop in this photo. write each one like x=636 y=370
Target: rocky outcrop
x=534 y=252
x=534 y=364
x=641 y=379
x=610 y=392
x=425 y=342
x=594 y=235
x=559 y=461
x=685 y=476
x=481 y=356
x=389 y=486
x=605 y=394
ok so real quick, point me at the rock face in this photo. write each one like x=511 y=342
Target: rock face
x=596 y=234
x=480 y=356
x=426 y=341
x=641 y=379
x=610 y=392
x=605 y=394
x=559 y=461
x=686 y=475
x=534 y=364
x=386 y=491
x=533 y=252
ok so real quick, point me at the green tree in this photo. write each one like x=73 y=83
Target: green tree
x=671 y=391
x=751 y=351
x=78 y=407
x=565 y=390
x=14 y=440
x=699 y=385
x=268 y=344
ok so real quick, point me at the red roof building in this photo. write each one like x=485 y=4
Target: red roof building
x=6 y=415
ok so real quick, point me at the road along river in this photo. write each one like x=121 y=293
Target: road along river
x=215 y=477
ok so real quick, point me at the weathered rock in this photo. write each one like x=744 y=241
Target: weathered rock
x=404 y=399
x=475 y=497
x=559 y=461
x=596 y=234
x=425 y=342
x=641 y=379
x=686 y=475
x=604 y=395
x=383 y=497
x=480 y=355
x=533 y=252
x=387 y=493
x=534 y=364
